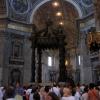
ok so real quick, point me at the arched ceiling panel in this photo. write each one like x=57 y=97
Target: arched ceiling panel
x=23 y=10
x=76 y=6
x=69 y=17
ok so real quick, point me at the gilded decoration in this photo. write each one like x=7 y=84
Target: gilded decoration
x=93 y=41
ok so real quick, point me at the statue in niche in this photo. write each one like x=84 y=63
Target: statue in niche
x=16 y=51
x=92 y=41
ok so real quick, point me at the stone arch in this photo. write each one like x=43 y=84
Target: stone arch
x=43 y=2
x=15 y=75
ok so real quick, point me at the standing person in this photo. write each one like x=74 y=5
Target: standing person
x=9 y=93
x=1 y=93
x=34 y=89
x=82 y=89
x=55 y=89
x=93 y=93
x=19 y=92
x=36 y=96
x=52 y=96
x=46 y=91
x=42 y=93
x=85 y=94
x=77 y=94
x=67 y=94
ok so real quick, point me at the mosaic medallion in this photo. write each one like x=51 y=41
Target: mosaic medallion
x=20 y=6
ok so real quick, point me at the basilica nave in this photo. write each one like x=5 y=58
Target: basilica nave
x=45 y=41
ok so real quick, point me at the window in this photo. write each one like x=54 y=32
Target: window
x=79 y=60
x=50 y=61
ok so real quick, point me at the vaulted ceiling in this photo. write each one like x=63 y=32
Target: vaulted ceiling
x=47 y=10
x=69 y=16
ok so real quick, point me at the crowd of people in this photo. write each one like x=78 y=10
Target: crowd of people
x=65 y=91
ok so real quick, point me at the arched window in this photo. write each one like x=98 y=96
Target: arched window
x=50 y=61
